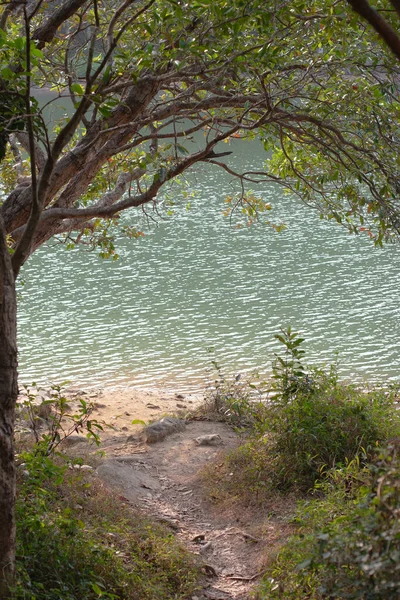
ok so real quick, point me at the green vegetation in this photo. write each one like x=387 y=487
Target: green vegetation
x=146 y=76
x=336 y=447
x=307 y=423
x=348 y=544
x=76 y=540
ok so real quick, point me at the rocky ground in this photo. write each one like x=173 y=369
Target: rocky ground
x=164 y=479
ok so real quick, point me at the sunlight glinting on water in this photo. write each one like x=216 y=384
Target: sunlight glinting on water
x=195 y=281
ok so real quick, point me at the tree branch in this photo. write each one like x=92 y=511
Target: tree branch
x=381 y=26
x=44 y=34
x=22 y=250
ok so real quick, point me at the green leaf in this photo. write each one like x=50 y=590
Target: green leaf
x=76 y=88
x=7 y=73
x=97 y=589
x=20 y=42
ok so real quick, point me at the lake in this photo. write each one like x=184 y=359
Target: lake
x=196 y=281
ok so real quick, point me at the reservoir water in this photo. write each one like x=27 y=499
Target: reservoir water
x=196 y=281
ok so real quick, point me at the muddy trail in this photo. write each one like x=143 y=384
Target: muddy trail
x=165 y=480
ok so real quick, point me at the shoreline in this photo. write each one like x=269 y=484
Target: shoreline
x=120 y=407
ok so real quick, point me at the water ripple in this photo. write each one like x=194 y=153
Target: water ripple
x=194 y=281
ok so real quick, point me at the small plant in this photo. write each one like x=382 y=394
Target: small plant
x=234 y=400
x=60 y=423
x=289 y=376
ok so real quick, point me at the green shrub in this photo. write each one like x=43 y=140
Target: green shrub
x=348 y=544
x=292 y=574
x=327 y=427
x=361 y=555
x=299 y=441
x=312 y=423
x=77 y=541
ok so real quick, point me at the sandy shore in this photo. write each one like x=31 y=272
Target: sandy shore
x=119 y=407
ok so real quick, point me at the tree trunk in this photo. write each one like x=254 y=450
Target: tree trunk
x=8 y=397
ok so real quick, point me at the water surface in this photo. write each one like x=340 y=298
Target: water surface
x=196 y=281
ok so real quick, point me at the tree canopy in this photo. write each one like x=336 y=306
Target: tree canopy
x=143 y=77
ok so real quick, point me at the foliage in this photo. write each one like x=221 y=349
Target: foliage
x=144 y=84
x=288 y=574
x=361 y=556
x=311 y=424
x=75 y=540
x=318 y=423
x=60 y=423
x=350 y=547
x=332 y=426
x=13 y=87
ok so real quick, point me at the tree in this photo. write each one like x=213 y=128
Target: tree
x=143 y=77
x=383 y=19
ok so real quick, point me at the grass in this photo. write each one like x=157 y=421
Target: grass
x=77 y=540
x=347 y=545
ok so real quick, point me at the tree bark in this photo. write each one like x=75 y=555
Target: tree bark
x=8 y=397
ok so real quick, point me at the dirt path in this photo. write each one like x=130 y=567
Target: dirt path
x=164 y=479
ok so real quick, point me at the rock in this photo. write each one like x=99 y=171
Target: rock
x=159 y=430
x=181 y=405
x=83 y=467
x=212 y=439
x=43 y=411
x=73 y=440
x=133 y=483
x=179 y=396
x=39 y=409
x=153 y=406
x=205 y=547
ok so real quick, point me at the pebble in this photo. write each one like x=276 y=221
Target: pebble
x=82 y=467
x=205 y=547
x=212 y=439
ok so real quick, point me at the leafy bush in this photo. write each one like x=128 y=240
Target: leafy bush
x=361 y=556
x=327 y=427
x=348 y=545
x=317 y=423
x=77 y=541
x=312 y=423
